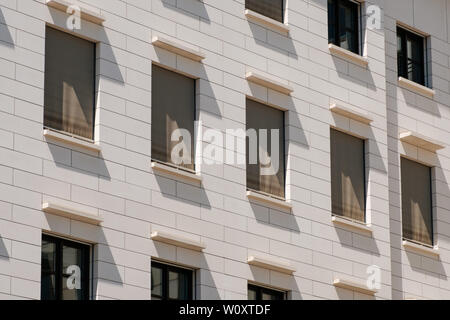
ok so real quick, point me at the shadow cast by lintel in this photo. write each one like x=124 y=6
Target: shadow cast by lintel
x=205 y=285
x=6 y=38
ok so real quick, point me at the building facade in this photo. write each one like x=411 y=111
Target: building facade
x=92 y=208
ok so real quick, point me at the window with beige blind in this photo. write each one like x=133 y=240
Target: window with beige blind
x=273 y=9
x=260 y=176
x=69 y=100
x=348 y=182
x=417 y=217
x=173 y=107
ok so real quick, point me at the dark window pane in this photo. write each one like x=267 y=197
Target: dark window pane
x=417 y=218
x=72 y=283
x=331 y=21
x=48 y=267
x=157 y=281
x=347 y=176
x=343 y=28
x=69 y=83
x=259 y=177
x=174 y=285
x=251 y=294
x=173 y=107
x=270 y=8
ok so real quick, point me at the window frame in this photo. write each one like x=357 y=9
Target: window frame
x=166 y=268
x=430 y=173
x=406 y=34
x=94 y=75
x=85 y=269
x=365 y=177
x=283 y=150
x=260 y=290
x=356 y=24
x=283 y=12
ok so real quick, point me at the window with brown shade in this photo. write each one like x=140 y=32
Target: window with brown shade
x=173 y=107
x=273 y=9
x=347 y=176
x=69 y=100
x=417 y=217
x=262 y=117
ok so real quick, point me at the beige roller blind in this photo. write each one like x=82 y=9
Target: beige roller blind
x=173 y=107
x=69 y=100
x=347 y=176
x=260 y=116
x=270 y=8
x=417 y=218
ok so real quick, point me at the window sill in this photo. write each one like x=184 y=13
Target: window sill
x=421 y=141
x=177 y=48
x=352 y=225
x=415 y=87
x=71 y=213
x=420 y=248
x=71 y=140
x=265 y=21
x=354 y=286
x=177 y=172
x=348 y=55
x=271 y=265
x=359 y=116
x=86 y=14
x=267 y=199
x=177 y=241
x=268 y=82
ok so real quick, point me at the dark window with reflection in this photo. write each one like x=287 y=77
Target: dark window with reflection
x=348 y=180
x=262 y=293
x=273 y=9
x=65 y=269
x=343 y=26
x=265 y=150
x=173 y=109
x=171 y=283
x=410 y=56
x=69 y=98
x=417 y=216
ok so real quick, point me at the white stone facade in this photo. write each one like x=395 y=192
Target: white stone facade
x=119 y=184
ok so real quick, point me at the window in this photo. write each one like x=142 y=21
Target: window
x=262 y=293
x=347 y=176
x=171 y=283
x=270 y=8
x=410 y=56
x=173 y=107
x=417 y=217
x=265 y=175
x=65 y=269
x=69 y=99
x=343 y=26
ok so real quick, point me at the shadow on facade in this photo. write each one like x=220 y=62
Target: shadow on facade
x=288 y=282
x=277 y=42
x=4 y=254
x=5 y=36
x=194 y=9
x=423 y=104
x=205 y=285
